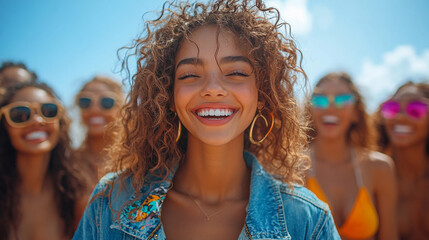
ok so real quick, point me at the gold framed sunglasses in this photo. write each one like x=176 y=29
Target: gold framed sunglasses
x=19 y=114
x=106 y=102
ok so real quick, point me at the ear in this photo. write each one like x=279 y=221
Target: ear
x=260 y=105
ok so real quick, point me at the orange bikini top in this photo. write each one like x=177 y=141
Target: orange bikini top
x=362 y=221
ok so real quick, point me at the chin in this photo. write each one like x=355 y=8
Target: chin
x=216 y=140
x=37 y=150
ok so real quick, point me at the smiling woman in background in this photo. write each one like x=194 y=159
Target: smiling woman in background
x=42 y=193
x=211 y=114
x=99 y=101
x=403 y=123
x=357 y=183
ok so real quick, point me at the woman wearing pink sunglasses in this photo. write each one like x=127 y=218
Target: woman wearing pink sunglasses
x=99 y=101
x=42 y=192
x=356 y=182
x=403 y=124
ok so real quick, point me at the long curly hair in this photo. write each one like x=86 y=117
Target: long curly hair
x=68 y=184
x=360 y=134
x=383 y=139
x=146 y=142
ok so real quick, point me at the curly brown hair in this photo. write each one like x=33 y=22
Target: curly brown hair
x=68 y=183
x=383 y=139
x=360 y=134
x=146 y=142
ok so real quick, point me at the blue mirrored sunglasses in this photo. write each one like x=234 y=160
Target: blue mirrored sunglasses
x=339 y=101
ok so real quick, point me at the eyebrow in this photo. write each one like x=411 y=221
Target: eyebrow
x=228 y=59
x=193 y=61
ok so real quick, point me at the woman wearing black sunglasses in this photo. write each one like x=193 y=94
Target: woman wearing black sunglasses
x=356 y=182
x=42 y=194
x=403 y=124
x=99 y=101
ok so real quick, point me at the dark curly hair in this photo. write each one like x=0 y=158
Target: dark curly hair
x=146 y=142
x=360 y=134
x=383 y=139
x=68 y=184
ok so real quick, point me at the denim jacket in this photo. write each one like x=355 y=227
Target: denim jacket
x=274 y=211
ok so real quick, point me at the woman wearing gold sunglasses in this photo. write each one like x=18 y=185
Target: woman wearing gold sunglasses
x=99 y=101
x=42 y=194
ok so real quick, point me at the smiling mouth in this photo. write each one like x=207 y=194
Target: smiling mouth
x=330 y=120
x=214 y=113
x=402 y=129
x=37 y=135
x=97 y=120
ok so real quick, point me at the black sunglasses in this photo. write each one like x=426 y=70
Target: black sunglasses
x=18 y=114
x=106 y=103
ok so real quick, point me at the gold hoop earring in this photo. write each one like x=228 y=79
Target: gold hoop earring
x=179 y=131
x=259 y=115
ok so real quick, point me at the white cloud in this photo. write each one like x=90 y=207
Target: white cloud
x=379 y=81
x=296 y=13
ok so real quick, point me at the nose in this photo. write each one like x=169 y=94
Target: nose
x=37 y=118
x=214 y=86
x=95 y=105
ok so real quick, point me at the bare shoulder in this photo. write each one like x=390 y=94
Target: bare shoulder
x=378 y=162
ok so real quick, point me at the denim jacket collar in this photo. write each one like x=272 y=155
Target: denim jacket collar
x=265 y=211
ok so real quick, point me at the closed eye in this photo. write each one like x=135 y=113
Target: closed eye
x=189 y=75
x=238 y=73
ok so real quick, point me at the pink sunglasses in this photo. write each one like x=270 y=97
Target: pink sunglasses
x=414 y=109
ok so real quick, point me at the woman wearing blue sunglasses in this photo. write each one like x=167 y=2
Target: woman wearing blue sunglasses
x=403 y=124
x=42 y=191
x=357 y=183
x=99 y=102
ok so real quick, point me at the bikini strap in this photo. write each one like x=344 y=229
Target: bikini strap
x=358 y=174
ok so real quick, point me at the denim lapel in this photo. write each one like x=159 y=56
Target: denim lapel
x=265 y=212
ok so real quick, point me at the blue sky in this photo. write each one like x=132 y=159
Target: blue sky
x=380 y=43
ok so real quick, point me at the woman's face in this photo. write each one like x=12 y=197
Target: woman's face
x=334 y=120
x=38 y=136
x=99 y=106
x=402 y=129
x=215 y=93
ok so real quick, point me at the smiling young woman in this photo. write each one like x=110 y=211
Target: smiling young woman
x=42 y=191
x=99 y=102
x=403 y=124
x=211 y=144
x=357 y=182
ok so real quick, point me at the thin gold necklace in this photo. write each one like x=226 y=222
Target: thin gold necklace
x=208 y=216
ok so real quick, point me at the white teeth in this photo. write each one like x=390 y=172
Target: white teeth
x=36 y=135
x=402 y=129
x=214 y=112
x=97 y=120
x=330 y=119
